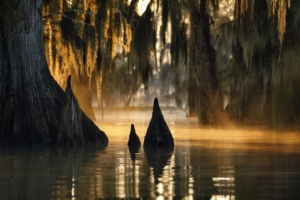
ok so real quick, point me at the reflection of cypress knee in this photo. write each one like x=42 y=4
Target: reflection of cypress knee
x=158 y=133
x=158 y=159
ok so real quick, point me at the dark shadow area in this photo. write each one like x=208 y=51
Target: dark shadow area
x=158 y=159
x=41 y=173
x=158 y=134
x=134 y=143
x=133 y=151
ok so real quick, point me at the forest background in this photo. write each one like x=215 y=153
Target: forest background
x=219 y=60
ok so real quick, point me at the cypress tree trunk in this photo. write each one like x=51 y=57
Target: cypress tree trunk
x=192 y=78
x=34 y=97
x=203 y=73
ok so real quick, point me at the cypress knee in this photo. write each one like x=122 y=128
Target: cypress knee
x=158 y=134
x=134 y=140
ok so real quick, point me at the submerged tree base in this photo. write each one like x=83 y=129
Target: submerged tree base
x=75 y=128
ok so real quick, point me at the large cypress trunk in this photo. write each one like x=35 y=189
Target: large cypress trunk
x=31 y=100
x=202 y=71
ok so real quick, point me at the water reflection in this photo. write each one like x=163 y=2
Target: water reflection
x=161 y=183
x=133 y=152
x=205 y=164
x=157 y=160
x=39 y=173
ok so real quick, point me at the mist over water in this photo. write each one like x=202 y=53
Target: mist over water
x=205 y=164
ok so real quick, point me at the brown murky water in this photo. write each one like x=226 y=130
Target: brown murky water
x=206 y=164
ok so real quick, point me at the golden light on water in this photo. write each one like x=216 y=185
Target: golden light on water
x=209 y=163
x=188 y=136
x=186 y=130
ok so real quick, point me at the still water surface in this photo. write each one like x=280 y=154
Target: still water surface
x=212 y=164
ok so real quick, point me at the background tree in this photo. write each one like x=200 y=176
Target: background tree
x=85 y=39
x=234 y=53
x=263 y=85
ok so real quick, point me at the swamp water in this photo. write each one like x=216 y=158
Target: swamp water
x=210 y=164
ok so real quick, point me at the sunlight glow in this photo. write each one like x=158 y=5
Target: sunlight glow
x=70 y=3
x=120 y=176
x=223 y=178
x=132 y=176
x=160 y=197
x=222 y=197
x=226 y=9
x=73 y=188
x=142 y=5
x=160 y=188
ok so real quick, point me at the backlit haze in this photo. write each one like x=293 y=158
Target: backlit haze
x=142 y=5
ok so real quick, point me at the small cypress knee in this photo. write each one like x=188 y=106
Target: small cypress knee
x=134 y=140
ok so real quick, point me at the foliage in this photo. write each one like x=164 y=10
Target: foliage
x=255 y=43
x=84 y=37
x=268 y=40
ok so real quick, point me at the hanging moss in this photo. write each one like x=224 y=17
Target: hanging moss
x=117 y=24
x=89 y=42
x=165 y=18
x=141 y=51
x=268 y=56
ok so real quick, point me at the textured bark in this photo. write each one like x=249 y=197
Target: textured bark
x=158 y=134
x=37 y=97
x=82 y=93
x=70 y=131
x=203 y=73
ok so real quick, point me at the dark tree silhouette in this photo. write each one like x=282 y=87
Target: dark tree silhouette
x=134 y=140
x=158 y=134
x=31 y=101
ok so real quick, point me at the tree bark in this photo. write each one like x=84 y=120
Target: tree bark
x=203 y=73
x=37 y=98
